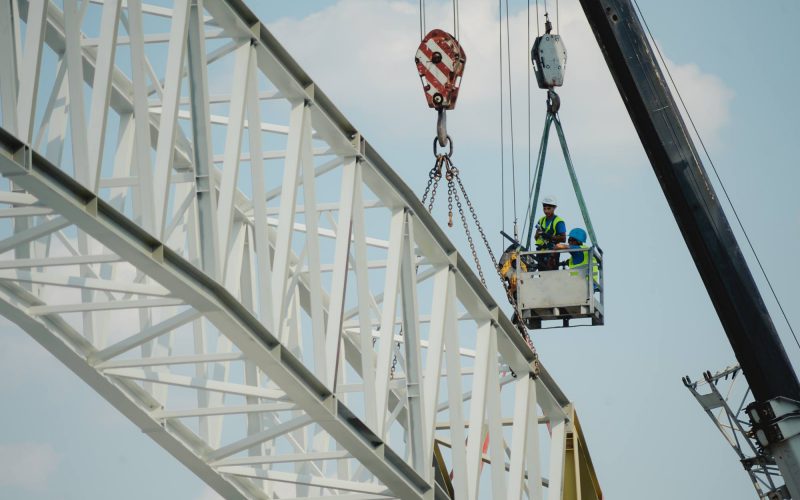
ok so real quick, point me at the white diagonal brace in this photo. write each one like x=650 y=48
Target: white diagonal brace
x=496 y=450
x=557 y=459
x=280 y=266
x=77 y=119
x=413 y=357
x=433 y=365
x=30 y=72
x=142 y=148
x=333 y=335
x=32 y=233
x=223 y=410
x=263 y=263
x=168 y=126
x=101 y=88
x=271 y=433
x=364 y=297
x=477 y=407
x=194 y=382
x=172 y=360
x=391 y=285
x=285 y=458
x=9 y=83
x=233 y=144
x=146 y=335
x=66 y=280
x=532 y=459
x=102 y=306
x=523 y=408
x=288 y=477
x=454 y=389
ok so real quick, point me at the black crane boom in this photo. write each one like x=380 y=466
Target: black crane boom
x=691 y=197
x=705 y=229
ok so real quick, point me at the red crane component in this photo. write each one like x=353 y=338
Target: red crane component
x=440 y=64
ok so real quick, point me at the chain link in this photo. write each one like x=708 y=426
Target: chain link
x=518 y=322
x=394 y=359
x=452 y=176
x=433 y=181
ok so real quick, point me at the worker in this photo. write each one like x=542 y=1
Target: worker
x=580 y=259
x=550 y=231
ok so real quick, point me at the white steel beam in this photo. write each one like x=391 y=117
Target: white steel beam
x=233 y=144
x=101 y=88
x=9 y=77
x=30 y=70
x=413 y=356
x=484 y=362
x=557 y=459
x=169 y=117
x=333 y=333
x=141 y=115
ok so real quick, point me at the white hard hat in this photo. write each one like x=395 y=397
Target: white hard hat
x=549 y=200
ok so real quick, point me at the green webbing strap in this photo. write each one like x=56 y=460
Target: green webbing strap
x=533 y=195
x=575 y=185
x=533 y=198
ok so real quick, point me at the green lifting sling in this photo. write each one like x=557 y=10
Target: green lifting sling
x=553 y=103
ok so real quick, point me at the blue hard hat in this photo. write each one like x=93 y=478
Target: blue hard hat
x=578 y=234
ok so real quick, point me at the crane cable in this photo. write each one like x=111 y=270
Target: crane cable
x=421 y=19
x=716 y=174
x=523 y=331
x=510 y=117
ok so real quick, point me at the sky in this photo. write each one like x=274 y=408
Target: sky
x=737 y=70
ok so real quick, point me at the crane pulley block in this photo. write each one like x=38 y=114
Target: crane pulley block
x=549 y=58
x=440 y=63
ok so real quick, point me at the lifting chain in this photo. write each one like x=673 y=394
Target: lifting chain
x=451 y=175
x=394 y=359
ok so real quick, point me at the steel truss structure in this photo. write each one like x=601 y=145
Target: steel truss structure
x=726 y=406
x=193 y=228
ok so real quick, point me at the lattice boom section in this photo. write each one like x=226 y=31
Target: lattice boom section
x=193 y=228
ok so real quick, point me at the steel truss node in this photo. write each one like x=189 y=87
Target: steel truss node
x=194 y=229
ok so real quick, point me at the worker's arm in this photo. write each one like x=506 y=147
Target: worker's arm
x=561 y=233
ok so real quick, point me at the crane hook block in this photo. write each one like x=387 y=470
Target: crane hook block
x=440 y=63
x=549 y=58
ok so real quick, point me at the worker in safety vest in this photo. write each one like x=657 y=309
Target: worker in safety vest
x=550 y=231
x=579 y=260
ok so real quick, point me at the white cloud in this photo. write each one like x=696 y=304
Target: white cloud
x=360 y=52
x=28 y=466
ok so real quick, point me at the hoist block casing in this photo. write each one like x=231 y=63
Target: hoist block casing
x=549 y=58
x=440 y=63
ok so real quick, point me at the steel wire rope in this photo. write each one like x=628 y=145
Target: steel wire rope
x=502 y=135
x=528 y=74
x=511 y=119
x=716 y=174
x=529 y=211
x=456 y=20
x=422 y=19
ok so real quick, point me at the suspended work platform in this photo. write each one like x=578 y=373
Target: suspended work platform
x=565 y=294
